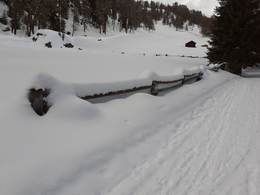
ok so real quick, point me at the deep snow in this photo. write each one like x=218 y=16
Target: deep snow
x=201 y=138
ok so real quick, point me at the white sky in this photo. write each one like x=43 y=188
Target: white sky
x=205 y=6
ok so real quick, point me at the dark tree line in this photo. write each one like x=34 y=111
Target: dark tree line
x=129 y=14
x=235 y=35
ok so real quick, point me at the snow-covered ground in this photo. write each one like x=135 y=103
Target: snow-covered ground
x=202 y=138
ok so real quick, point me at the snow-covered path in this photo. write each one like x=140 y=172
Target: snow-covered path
x=214 y=149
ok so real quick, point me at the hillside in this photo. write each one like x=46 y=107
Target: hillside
x=201 y=138
x=77 y=15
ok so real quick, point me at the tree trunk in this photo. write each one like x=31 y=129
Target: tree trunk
x=27 y=26
x=73 y=27
x=113 y=23
x=59 y=17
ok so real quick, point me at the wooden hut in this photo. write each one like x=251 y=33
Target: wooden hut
x=190 y=44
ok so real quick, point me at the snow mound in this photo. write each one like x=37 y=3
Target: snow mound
x=62 y=98
x=44 y=81
x=152 y=76
x=53 y=39
x=149 y=75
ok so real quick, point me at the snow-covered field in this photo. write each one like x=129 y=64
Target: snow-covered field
x=202 y=138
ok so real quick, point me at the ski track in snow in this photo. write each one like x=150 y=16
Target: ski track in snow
x=221 y=160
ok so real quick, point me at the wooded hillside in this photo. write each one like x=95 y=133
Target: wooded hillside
x=129 y=14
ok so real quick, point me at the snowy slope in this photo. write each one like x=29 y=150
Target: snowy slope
x=164 y=40
x=201 y=138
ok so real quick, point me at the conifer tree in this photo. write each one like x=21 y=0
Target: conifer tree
x=94 y=19
x=44 y=13
x=15 y=11
x=59 y=12
x=135 y=16
x=235 y=35
x=102 y=12
x=113 y=14
x=86 y=13
x=31 y=7
x=122 y=14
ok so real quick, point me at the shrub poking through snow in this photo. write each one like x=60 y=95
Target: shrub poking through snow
x=69 y=45
x=48 y=45
x=53 y=39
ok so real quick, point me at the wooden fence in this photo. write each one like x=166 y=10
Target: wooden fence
x=39 y=104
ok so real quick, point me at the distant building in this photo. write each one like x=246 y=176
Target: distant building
x=204 y=45
x=190 y=44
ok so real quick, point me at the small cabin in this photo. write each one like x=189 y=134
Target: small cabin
x=190 y=44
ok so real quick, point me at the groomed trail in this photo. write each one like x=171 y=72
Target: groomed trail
x=215 y=148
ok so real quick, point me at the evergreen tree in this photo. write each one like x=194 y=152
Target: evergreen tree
x=178 y=23
x=43 y=14
x=86 y=13
x=113 y=14
x=205 y=26
x=102 y=12
x=94 y=19
x=235 y=35
x=15 y=11
x=58 y=14
x=31 y=7
x=148 y=20
x=122 y=14
x=135 y=15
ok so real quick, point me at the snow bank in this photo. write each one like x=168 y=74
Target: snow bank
x=44 y=81
x=44 y=36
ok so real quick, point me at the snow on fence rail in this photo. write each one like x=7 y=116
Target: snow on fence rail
x=46 y=90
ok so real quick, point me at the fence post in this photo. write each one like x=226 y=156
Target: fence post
x=153 y=90
x=39 y=105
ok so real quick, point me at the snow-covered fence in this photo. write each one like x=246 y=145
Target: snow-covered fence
x=46 y=90
x=180 y=56
x=214 y=68
x=152 y=87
